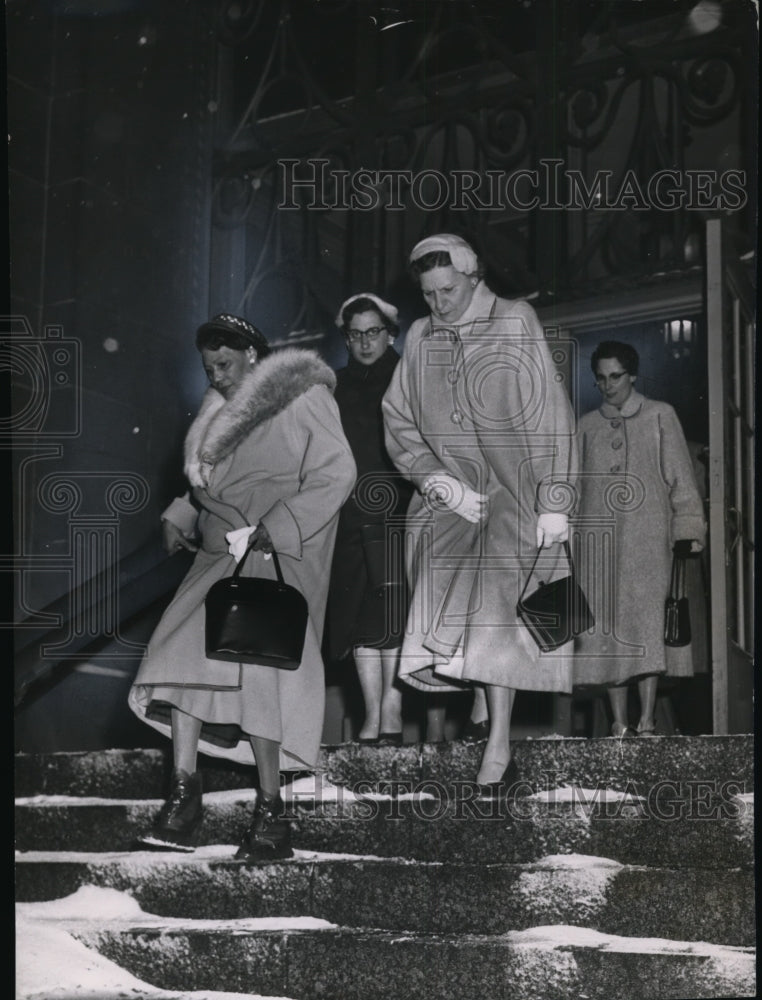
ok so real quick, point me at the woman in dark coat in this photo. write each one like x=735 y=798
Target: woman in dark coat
x=367 y=602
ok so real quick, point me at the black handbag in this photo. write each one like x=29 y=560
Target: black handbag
x=677 y=619
x=251 y=620
x=556 y=611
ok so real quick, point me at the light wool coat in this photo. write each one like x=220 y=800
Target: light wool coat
x=482 y=401
x=638 y=496
x=273 y=453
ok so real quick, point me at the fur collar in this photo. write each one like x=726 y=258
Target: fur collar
x=273 y=383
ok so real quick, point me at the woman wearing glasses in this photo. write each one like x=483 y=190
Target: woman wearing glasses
x=368 y=601
x=476 y=417
x=638 y=498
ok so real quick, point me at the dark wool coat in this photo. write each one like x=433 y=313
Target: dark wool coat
x=274 y=453
x=360 y=612
x=481 y=400
x=638 y=496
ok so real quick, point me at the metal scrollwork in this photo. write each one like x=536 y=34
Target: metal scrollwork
x=455 y=96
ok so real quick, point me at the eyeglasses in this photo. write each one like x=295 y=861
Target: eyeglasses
x=614 y=378
x=355 y=336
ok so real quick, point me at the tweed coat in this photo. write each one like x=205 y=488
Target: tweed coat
x=274 y=453
x=638 y=496
x=480 y=400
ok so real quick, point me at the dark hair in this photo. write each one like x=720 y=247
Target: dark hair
x=365 y=304
x=226 y=330
x=625 y=354
x=437 y=258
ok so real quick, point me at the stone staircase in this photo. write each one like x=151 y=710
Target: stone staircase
x=624 y=871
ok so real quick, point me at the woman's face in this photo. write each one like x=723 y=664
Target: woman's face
x=226 y=367
x=613 y=381
x=367 y=337
x=447 y=292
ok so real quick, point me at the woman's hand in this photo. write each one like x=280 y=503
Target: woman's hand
x=240 y=539
x=552 y=528
x=174 y=539
x=442 y=488
x=261 y=539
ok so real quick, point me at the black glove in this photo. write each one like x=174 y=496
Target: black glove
x=683 y=550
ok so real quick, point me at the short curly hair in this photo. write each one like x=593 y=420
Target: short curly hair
x=625 y=354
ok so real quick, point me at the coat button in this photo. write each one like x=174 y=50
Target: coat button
x=616 y=444
x=456 y=416
x=616 y=468
x=616 y=423
x=452 y=377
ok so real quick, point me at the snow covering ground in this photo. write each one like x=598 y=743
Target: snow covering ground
x=51 y=963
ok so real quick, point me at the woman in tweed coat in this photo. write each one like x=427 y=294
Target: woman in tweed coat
x=638 y=499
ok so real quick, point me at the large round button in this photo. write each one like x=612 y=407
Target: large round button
x=616 y=423
x=452 y=377
x=456 y=416
x=616 y=468
x=616 y=444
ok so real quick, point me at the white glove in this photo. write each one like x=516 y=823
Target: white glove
x=441 y=487
x=552 y=528
x=239 y=542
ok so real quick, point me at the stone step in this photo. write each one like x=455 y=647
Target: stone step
x=635 y=764
x=430 y=897
x=327 y=962
x=708 y=831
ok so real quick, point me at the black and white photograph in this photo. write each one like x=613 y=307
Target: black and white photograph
x=380 y=434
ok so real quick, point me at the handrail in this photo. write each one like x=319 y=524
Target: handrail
x=142 y=590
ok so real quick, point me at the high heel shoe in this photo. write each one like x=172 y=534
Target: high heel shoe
x=505 y=787
x=389 y=739
x=647 y=730
x=621 y=732
x=475 y=732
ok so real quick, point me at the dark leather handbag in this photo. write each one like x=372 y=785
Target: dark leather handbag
x=251 y=620
x=556 y=611
x=677 y=618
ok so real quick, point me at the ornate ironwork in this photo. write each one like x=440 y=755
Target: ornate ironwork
x=574 y=144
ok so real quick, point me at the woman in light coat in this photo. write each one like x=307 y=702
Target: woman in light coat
x=638 y=498
x=477 y=419
x=268 y=462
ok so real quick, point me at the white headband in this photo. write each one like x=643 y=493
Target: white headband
x=385 y=310
x=461 y=254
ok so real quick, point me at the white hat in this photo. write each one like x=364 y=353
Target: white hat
x=385 y=309
x=461 y=253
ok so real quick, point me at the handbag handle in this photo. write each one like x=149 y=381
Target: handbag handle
x=677 y=577
x=276 y=563
x=567 y=550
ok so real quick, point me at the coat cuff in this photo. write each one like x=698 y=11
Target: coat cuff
x=688 y=526
x=283 y=529
x=182 y=514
